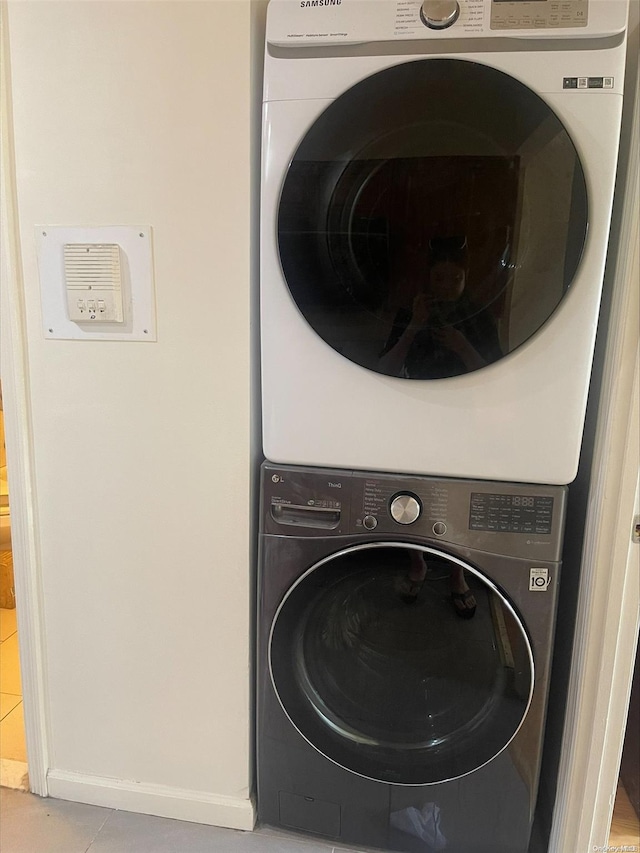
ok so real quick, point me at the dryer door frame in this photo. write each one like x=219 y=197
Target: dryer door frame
x=439 y=181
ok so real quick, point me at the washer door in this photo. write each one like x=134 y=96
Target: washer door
x=432 y=219
x=376 y=669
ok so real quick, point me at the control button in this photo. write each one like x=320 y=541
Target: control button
x=439 y=528
x=405 y=508
x=439 y=14
x=370 y=522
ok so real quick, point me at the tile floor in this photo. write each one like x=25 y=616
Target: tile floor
x=34 y=825
x=12 y=745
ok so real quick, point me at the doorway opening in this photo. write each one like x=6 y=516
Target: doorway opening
x=13 y=755
x=625 y=826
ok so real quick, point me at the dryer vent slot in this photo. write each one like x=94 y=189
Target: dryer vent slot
x=305 y=516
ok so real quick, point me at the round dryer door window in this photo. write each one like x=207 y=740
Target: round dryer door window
x=432 y=219
x=381 y=670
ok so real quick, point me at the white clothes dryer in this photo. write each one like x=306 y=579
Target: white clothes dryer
x=437 y=186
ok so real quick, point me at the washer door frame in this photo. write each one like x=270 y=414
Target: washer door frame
x=424 y=549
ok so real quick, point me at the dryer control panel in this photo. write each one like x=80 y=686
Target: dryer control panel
x=538 y=14
x=311 y=23
x=514 y=519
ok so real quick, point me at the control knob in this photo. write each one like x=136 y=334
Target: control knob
x=439 y=14
x=405 y=508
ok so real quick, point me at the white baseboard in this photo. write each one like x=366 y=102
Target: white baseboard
x=158 y=800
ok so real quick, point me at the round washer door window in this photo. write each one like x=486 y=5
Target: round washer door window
x=374 y=664
x=432 y=219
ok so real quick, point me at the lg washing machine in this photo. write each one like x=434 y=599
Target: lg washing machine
x=405 y=628
x=437 y=184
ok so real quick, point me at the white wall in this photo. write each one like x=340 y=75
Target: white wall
x=138 y=113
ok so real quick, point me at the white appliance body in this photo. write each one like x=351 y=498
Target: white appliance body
x=520 y=417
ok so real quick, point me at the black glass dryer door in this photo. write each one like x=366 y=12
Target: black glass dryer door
x=377 y=669
x=432 y=219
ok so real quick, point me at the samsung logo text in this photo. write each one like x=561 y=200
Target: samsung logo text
x=305 y=3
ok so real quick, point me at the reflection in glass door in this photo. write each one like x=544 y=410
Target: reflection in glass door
x=377 y=667
x=432 y=219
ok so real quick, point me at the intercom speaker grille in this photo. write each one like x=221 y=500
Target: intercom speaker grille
x=93 y=282
x=89 y=266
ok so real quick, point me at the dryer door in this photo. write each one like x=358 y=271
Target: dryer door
x=432 y=219
x=373 y=664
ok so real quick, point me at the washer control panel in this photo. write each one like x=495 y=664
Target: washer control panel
x=508 y=518
x=405 y=508
x=511 y=513
x=422 y=509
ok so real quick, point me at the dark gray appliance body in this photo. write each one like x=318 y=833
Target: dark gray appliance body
x=384 y=719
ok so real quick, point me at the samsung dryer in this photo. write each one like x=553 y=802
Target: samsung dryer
x=437 y=184
x=385 y=715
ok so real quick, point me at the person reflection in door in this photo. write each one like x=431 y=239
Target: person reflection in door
x=443 y=333
x=462 y=598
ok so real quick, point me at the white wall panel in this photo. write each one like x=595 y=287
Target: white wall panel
x=125 y=113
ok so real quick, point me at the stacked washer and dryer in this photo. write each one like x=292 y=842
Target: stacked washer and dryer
x=437 y=186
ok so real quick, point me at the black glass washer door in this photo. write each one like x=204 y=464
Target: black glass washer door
x=377 y=670
x=432 y=219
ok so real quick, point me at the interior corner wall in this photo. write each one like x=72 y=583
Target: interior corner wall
x=138 y=113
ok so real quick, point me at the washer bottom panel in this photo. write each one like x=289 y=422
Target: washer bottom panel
x=487 y=811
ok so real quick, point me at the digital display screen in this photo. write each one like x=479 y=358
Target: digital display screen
x=511 y=513
x=519 y=1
